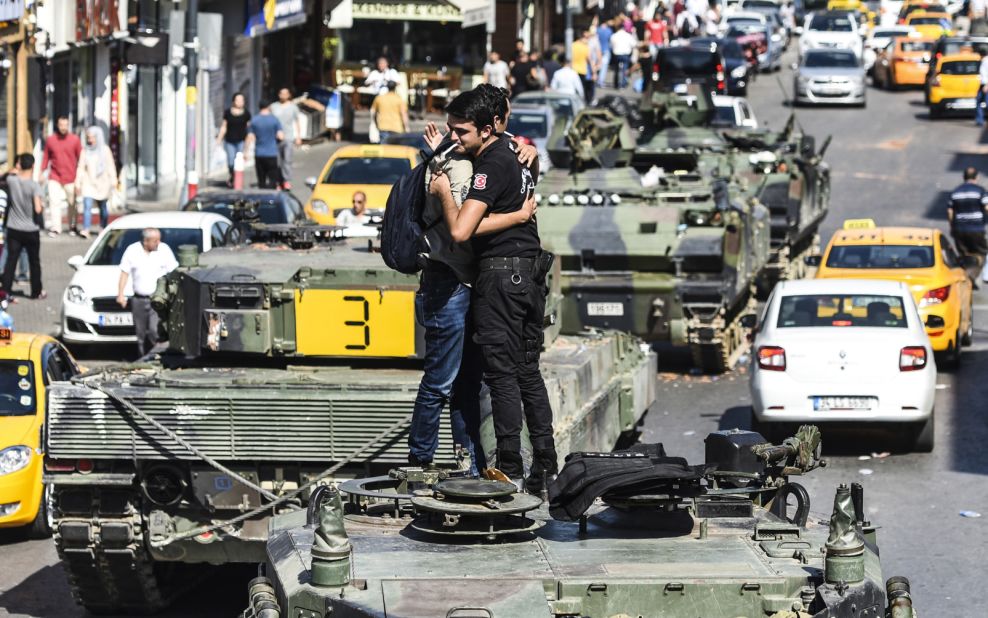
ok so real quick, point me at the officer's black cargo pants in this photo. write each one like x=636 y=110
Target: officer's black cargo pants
x=508 y=311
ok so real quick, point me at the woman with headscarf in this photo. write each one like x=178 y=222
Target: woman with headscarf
x=96 y=178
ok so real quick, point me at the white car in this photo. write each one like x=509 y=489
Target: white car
x=90 y=312
x=878 y=39
x=843 y=352
x=831 y=30
x=734 y=112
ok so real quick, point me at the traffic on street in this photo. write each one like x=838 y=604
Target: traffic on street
x=675 y=312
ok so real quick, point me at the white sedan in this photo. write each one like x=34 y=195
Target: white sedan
x=843 y=352
x=90 y=312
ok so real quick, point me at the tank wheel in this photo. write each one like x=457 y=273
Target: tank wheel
x=722 y=356
x=100 y=542
x=923 y=436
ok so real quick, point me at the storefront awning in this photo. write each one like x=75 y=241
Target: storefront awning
x=415 y=10
x=474 y=12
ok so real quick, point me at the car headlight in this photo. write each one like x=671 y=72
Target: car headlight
x=14 y=458
x=75 y=294
x=320 y=207
x=739 y=72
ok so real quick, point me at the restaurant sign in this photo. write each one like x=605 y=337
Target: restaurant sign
x=407 y=11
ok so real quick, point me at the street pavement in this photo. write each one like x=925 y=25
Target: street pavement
x=889 y=162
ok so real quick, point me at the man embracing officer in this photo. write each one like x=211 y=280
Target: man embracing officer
x=510 y=292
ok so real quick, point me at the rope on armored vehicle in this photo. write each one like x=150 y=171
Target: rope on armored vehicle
x=398 y=426
x=134 y=410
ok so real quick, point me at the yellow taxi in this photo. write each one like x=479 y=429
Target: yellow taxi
x=925 y=260
x=903 y=62
x=929 y=24
x=372 y=169
x=913 y=6
x=28 y=362
x=954 y=85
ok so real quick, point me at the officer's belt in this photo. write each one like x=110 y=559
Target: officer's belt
x=514 y=264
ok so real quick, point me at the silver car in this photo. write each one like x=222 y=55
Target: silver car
x=829 y=76
x=534 y=123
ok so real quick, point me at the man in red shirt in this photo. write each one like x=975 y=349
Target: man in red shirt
x=657 y=31
x=62 y=152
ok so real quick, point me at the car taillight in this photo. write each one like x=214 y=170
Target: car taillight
x=935 y=296
x=772 y=358
x=912 y=358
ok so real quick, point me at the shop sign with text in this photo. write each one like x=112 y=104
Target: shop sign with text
x=408 y=11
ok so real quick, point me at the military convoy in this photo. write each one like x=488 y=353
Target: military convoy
x=292 y=362
x=629 y=533
x=667 y=228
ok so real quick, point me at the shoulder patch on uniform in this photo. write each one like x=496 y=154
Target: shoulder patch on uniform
x=480 y=181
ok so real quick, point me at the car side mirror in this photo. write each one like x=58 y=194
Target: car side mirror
x=813 y=260
x=76 y=261
x=794 y=66
x=749 y=320
x=311 y=182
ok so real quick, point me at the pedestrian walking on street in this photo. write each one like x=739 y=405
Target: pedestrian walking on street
x=265 y=134
x=143 y=263
x=981 y=100
x=510 y=292
x=657 y=32
x=287 y=113
x=966 y=212
x=356 y=216
x=233 y=131
x=623 y=44
x=61 y=160
x=23 y=231
x=378 y=79
x=604 y=33
x=496 y=71
x=581 y=64
x=550 y=64
x=453 y=368
x=567 y=81
x=96 y=180
x=390 y=113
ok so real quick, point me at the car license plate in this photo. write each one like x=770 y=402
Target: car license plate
x=823 y=404
x=963 y=104
x=373 y=323
x=605 y=309
x=116 y=319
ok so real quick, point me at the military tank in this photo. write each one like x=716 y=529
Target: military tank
x=666 y=227
x=292 y=360
x=631 y=533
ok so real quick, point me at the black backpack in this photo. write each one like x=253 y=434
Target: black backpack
x=401 y=230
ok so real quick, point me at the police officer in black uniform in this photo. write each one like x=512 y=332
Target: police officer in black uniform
x=510 y=291
x=966 y=213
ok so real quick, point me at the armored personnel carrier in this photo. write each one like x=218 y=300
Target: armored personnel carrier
x=293 y=360
x=665 y=226
x=632 y=533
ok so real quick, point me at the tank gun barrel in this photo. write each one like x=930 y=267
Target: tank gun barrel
x=796 y=455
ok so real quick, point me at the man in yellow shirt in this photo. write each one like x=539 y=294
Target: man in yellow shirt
x=582 y=66
x=390 y=113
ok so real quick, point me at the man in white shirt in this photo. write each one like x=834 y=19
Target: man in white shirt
x=378 y=78
x=622 y=46
x=567 y=80
x=353 y=217
x=496 y=71
x=144 y=262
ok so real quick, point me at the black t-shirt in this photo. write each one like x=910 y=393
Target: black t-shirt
x=236 y=126
x=520 y=73
x=503 y=184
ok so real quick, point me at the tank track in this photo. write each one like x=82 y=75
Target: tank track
x=110 y=571
x=724 y=354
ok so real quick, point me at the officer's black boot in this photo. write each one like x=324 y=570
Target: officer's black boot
x=509 y=462
x=544 y=467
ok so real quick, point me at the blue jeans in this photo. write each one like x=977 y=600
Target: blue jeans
x=87 y=212
x=452 y=368
x=605 y=62
x=979 y=111
x=621 y=71
x=231 y=149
